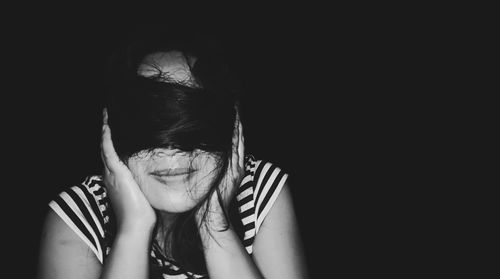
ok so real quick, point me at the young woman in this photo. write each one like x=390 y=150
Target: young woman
x=178 y=196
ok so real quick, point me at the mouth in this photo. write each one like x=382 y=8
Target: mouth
x=172 y=174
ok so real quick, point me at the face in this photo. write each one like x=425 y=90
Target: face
x=173 y=181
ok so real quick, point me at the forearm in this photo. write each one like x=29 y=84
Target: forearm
x=129 y=257
x=226 y=256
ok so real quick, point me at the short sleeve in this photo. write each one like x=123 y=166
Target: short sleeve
x=269 y=180
x=81 y=207
x=258 y=191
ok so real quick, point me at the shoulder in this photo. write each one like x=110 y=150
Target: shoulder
x=90 y=194
x=91 y=189
x=263 y=172
x=266 y=180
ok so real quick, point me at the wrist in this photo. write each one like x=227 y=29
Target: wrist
x=212 y=219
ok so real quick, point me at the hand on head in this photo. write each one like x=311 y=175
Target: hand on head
x=131 y=207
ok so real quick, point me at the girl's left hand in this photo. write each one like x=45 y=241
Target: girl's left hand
x=236 y=169
x=232 y=179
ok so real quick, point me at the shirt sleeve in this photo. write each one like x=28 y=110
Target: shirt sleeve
x=80 y=210
x=269 y=182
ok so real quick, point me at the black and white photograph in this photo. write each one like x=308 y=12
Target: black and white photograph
x=273 y=146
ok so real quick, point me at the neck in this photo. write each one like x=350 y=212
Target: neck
x=165 y=223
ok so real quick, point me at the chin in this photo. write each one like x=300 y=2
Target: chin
x=172 y=201
x=174 y=198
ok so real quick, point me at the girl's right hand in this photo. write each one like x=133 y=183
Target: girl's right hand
x=132 y=209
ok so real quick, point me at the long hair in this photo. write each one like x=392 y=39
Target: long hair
x=146 y=113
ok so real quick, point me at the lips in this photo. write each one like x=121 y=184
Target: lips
x=173 y=172
x=172 y=175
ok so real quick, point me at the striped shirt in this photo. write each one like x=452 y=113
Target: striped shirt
x=86 y=209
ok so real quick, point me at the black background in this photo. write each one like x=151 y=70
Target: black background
x=331 y=102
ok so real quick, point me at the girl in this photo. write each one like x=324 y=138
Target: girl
x=178 y=196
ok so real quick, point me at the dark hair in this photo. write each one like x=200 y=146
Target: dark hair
x=146 y=113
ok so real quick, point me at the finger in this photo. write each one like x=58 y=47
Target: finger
x=241 y=145
x=238 y=156
x=236 y=129
x=104 y=123
x=110 y=158
x=106 y=169
x=105 y=116
x=101 y=144
x=235 y=142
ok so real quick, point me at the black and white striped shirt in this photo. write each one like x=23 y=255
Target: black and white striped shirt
x=85 y=208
